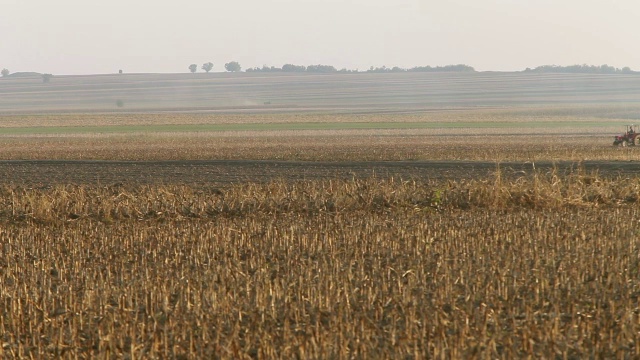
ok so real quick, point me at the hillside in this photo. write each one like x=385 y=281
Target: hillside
x=24 y=74
x=281 y=92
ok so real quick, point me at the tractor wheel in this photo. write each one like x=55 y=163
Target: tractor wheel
x=623 y=143
x=636 y=141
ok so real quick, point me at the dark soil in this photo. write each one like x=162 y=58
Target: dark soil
x=224 y=172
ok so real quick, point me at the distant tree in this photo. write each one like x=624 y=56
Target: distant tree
x=446 y=68
x=584 y=68
x=5 y=72
x=293 y=68
x=119 y=103
x=264 y=68
x=296 y=68
x=207 y=66
x=193 y=68
x=321 y=68
x=46 y=77
x=120 y=71
x=233 y=66
x=382 y=69
x=606 y=69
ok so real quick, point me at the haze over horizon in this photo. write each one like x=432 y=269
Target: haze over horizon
x=70 y=37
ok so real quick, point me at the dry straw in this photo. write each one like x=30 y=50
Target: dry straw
x=543 y=266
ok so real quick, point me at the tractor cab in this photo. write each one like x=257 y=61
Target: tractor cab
x=630 y=137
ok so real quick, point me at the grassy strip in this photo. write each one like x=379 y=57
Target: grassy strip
x=292 y=126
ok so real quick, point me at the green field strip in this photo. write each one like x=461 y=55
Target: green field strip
x=108 y=129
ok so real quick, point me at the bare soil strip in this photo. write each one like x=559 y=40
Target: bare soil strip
x=221 y=172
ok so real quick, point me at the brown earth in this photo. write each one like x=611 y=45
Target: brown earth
x=225 y=172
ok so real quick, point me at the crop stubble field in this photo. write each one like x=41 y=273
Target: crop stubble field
x=479 y=233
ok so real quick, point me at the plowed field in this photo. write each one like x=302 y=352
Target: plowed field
x=217 y=173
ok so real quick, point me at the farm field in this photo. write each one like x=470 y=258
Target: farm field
x=315 y=93
x=546 y=133
x=344 y=223
x=544 y=266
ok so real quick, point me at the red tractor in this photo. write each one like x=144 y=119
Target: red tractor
x=631 y=137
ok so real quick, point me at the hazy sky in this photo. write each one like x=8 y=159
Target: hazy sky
x=96 y=36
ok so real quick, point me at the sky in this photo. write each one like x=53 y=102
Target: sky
x=69 y=37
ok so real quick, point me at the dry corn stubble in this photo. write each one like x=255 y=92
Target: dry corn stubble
x=544 y=266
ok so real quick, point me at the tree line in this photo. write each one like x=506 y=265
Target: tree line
x=587 y=69
x=234 y=66
x=446 y=68
x=383 y=69
x=299 y=68
x=581 y=69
